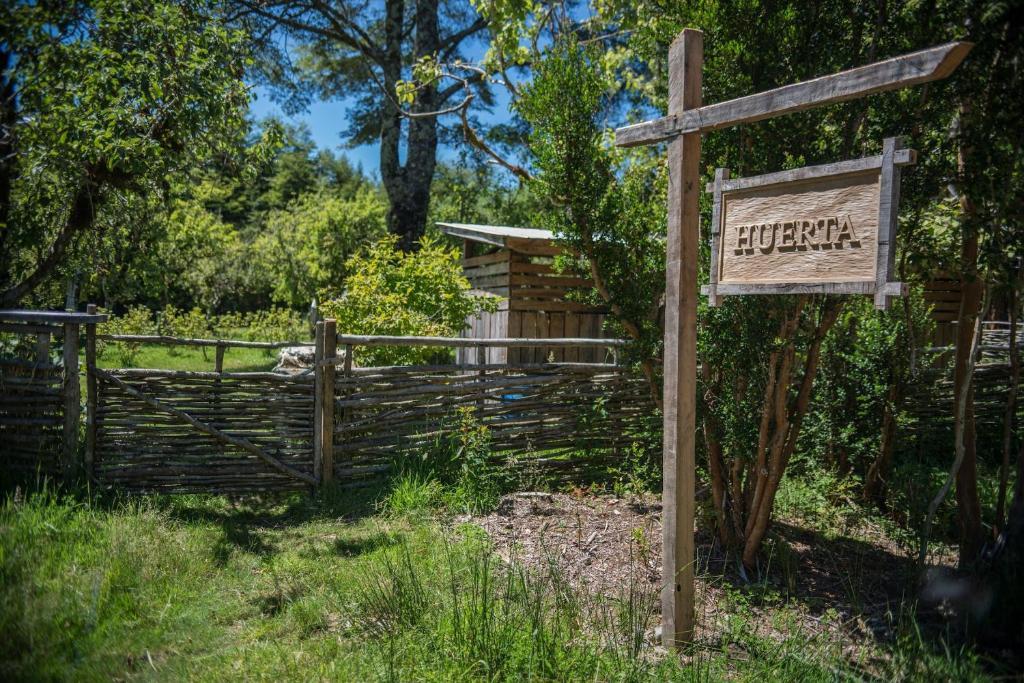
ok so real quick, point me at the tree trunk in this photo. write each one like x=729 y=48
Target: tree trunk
x=968 y=504
x=80 y=219
x=874 y=484
x=8 y=164
x=787 y=418
x=408 y=185
x=1010 y=416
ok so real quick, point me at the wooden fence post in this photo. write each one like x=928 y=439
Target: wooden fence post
x=72 y=398
x=43 y=348
x=481 y=361
x=91 y=396
x=349 y=353
x=330 y=346
x=318 y=413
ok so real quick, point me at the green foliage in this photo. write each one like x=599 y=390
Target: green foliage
x=868 y=363
x=191 y=324
x=278 y=589
x=638 y=470
x=456 y=470
x=607 y=210
x=473 y=192
x=414 y=492
x=304 y=248
x=136 y=320
x=275 y=324
x=390 y=292
x=201 y=259
x=105 y=100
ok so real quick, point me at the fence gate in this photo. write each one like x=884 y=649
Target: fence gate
x=175 y=431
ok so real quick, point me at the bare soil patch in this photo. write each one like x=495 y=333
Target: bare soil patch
x=844 y=591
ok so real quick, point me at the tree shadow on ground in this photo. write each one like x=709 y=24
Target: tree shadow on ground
x=872 y=586
x=252 y=523
x=855 y=578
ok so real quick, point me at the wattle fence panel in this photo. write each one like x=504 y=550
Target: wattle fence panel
x=31 y=417
x=560 y=417
x=144 y=448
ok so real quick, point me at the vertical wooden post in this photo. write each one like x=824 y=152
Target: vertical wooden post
x=218 y=362
x=72 y=397
x=350 y=350
x=318 y=393
x=43 y=348
x=91 y=396
x=685 y=62
x=330 y=345
x=888 y=205
x=481 y=362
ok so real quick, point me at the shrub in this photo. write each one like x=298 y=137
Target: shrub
x=456 y=470
x=136 y=320
x=390 y=292
x=277 y=324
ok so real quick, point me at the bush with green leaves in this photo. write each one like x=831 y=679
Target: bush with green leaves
x=456 y=470
x=136 y=320
x=306 y=247
x=391 y=292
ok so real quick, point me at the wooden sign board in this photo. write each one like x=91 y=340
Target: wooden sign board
x=819 y=229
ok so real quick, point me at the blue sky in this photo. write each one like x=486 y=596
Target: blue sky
x=327 y=120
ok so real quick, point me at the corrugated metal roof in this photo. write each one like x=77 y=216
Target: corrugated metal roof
x=494 y=234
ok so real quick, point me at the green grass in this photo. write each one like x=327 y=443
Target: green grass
x=296 y=588
x=189 y=358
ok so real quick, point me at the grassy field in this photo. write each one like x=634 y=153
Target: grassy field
x=337 y=588
x=186 y=358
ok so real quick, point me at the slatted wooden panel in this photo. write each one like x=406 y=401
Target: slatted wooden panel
x=140 y=448
x=943 y=293
x=564 y=417
x=31 y=417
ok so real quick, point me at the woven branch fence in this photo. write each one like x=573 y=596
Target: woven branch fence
x=178 y=431
x=40 y=397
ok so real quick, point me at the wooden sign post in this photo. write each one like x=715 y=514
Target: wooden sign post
x=686 y=121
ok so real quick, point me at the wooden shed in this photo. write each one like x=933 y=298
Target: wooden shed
x=516 y=264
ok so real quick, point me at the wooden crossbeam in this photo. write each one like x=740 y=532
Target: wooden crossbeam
x=899 y=72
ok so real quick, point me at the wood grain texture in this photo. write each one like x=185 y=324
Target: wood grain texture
x=72 y=397
x=90 y=394
x=902 y=157
x=888 y=210
x=788 y=233
x=899 y=72
x=327 y=399
x=686 y=59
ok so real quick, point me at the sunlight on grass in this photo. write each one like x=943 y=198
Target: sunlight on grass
x=297 y=588
x=191 y=358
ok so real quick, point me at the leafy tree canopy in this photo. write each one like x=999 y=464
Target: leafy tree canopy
x=102 y=101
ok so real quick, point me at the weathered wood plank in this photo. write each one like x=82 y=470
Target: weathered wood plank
x=72 y=396
x=898 y=72
x=327 y=399
x=686 y=58
x=90 y=395
x=890 y=288
x=903 y=157
x=888 y=208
